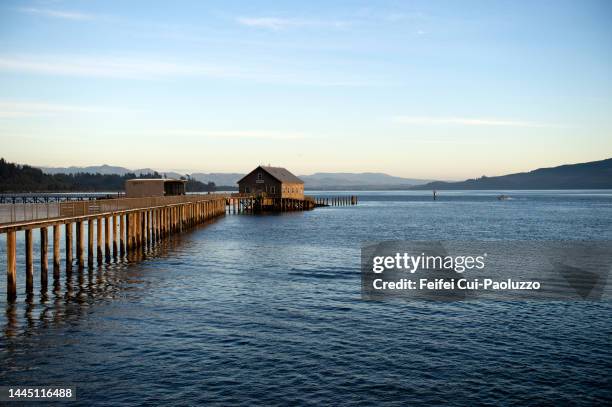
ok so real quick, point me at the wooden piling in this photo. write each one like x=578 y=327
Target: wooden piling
x=114 y=220
x=80 y=249
x=162 y=222
x=29 y=262
x=140 y=229
x=157 y=225
x=68 y=245
x=181 y=217
x=90 y=242
x=99 y=227
x=145 y=229
x=11 y=266
x=44 y=261
x=56 y=252
x=107 y=238
x=130 y=232
x=152 y=215
x=122 y=235
x=149 y=228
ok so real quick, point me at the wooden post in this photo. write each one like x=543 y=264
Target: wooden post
x=107 y=238
x=161 y=223
x=149 y=229
x=29 y=262
x=114 y=218
x=172 y=218
x=136 y=229
x=139 y=229
x=122 y=235
x=68 y=246
x=152 y=216
x=157 y=224
x=11 y=266
x=127 y=232
x=132 y=239
x=137 y=221
x=181 y=215
x=56 y=252
x=99 y=227
x=80 y=248
x=44 y=263
x=143 y=229
x=90 y=242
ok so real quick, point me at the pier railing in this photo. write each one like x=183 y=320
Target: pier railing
x=10 y=213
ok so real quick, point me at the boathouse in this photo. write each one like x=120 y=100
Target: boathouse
x=144 y=187
x=273 y=182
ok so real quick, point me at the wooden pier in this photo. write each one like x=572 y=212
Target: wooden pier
x=120 y=226
x=255 y=203
x=107 y=230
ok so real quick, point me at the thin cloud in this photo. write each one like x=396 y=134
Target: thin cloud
x=153 y=69
x=12 y=109
x=102 y=67
x=233 y=134
x=466 y=121
x=275 y=23
x=67 y=15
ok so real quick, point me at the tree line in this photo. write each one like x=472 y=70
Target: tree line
x=24 y=178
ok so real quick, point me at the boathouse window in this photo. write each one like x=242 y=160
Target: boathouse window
x=246 y=189
x=273 y=190
x=259 y=176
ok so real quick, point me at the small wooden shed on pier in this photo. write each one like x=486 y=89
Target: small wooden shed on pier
x=273 y=182
x=143 y=187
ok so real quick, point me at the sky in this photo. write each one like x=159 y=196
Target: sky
x=420 y=89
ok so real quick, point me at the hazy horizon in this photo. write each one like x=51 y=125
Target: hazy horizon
x=426 y=90
x=184 y=171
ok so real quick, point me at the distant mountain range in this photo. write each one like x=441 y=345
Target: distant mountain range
x=590 y=175
x=362 y=181
x=320 y=180
x=105 y=170
x=219 y=178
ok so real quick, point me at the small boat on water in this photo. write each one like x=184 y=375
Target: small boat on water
x=503 y=197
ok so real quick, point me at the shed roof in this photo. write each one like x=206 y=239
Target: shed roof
x=280 y=173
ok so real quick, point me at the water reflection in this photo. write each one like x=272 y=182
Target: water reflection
x=78 y=289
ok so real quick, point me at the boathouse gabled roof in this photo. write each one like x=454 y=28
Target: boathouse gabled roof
x=280 y=173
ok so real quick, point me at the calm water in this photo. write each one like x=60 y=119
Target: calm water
x=266 y=310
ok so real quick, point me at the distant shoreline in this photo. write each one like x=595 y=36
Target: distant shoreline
x=315 y=190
